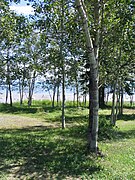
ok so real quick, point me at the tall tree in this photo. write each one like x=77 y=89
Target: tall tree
x=92 y=50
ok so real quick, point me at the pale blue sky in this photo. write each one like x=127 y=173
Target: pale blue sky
x=22 y=8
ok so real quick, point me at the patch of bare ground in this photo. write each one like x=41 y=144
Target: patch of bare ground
x=8 y=121
x=129 y=111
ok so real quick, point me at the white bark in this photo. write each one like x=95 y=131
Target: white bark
x=31 y=88
x=93 y=89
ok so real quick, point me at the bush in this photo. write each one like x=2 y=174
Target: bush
x=106 y=129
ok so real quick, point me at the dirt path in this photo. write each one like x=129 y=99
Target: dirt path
x=9 y=121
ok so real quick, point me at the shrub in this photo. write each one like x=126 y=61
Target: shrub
x=106 y=129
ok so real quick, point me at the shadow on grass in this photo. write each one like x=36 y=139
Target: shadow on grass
x=127 y=117
x=129 y=107
x=34 y=108
x=124 y=117
x=78 y=119
x=45 y=153
x=6 y=108
x=125 y=135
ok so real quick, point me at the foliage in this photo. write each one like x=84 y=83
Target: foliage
x=106 y=129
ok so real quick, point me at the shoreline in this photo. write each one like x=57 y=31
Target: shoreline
x=46 y=96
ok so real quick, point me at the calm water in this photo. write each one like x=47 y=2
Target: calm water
x=40 y=94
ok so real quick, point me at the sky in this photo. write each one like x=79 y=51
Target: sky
x=22 y=8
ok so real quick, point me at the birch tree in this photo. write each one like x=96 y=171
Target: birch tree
x=92 y=50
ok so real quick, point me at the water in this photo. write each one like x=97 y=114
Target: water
x=40 y=94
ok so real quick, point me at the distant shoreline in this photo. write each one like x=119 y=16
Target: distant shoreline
x=45 y=96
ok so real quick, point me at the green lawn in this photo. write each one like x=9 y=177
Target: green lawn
x=33 y=145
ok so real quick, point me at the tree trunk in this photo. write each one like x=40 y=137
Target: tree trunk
x=121 y=102
x=8 y=81
x=63 y=100
x=58 y=94
x=84 y=100
x=6 y=95
x=101 y=97
x=10 y=93
x=117 y=107
x=113 y=105
x=93 y=89
x=74 y=97
x=21 y=91
x=53 y=100
x=119 y=96
x=77 y=93
x=93 y=112
x=63 y=65
x=22 y=84
x=107 y=97
x=31 y=88
x=29 y=97
x=131 y=100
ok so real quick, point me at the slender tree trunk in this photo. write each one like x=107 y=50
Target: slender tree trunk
x=58 y=94
x=53 y=100
x=8 y=80
x=121 y=102
x=131 y=100
x=101 y=97
x=21 y=91
x=63 y=64
x=93 y=89
x=10 y=93
x=132 y=96
x=77 y=93
x=21 y=98
x=119 y=96
x=117 y=107
x=74 y=97
x=22 y=84
x=29 y=95
x=6 y=95
x=107 y=98
x=63 y=101
x=31 y=89
x=8 y=89
x=84 y=100
x=113 y=105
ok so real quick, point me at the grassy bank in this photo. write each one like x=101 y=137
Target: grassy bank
x=33 y=145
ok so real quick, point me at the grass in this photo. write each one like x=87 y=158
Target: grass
x=37 y=147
